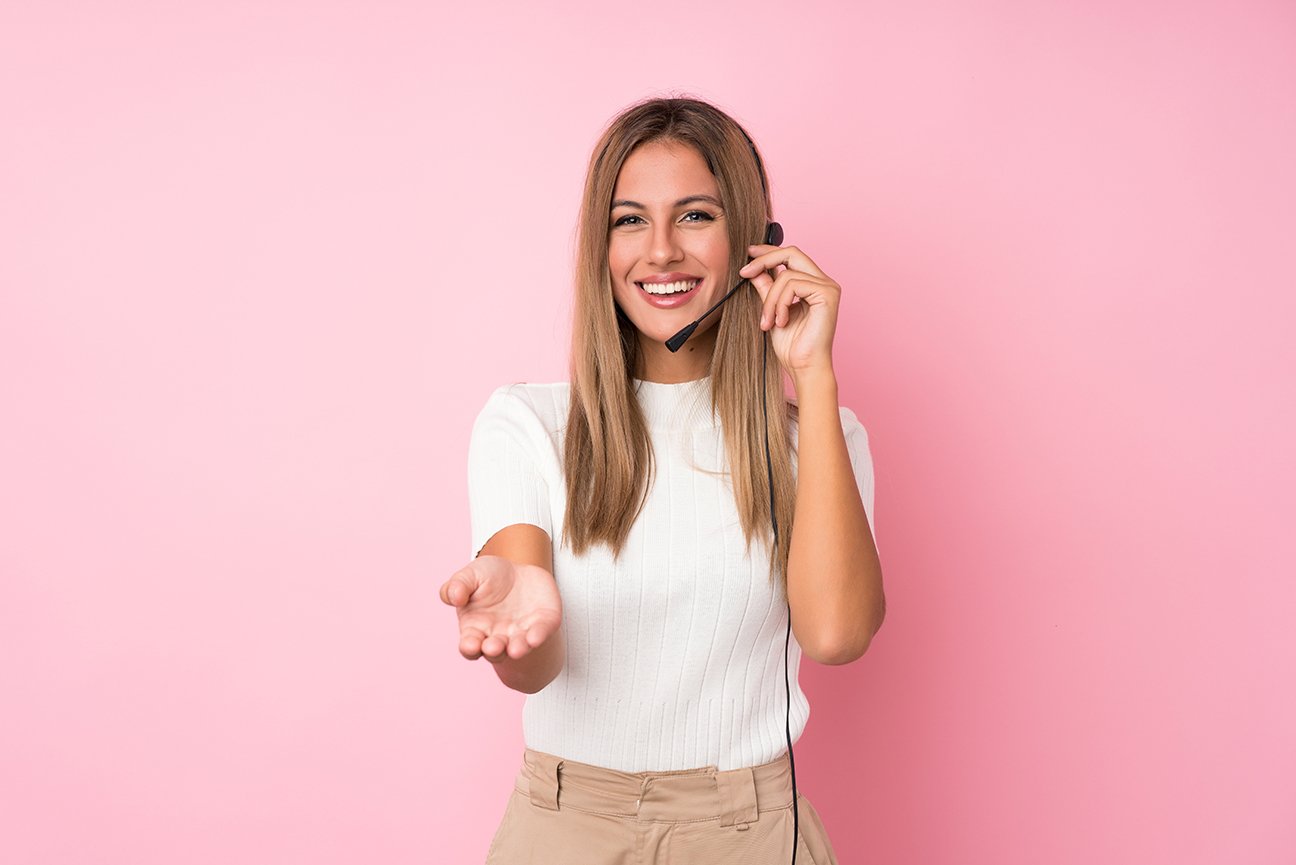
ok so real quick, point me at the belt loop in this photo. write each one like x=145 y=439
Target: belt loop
x=543 y=770
x=737 y=788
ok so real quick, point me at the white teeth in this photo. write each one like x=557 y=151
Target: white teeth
x=669 y=287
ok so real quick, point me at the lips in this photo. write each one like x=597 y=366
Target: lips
x=673 y=299
x=675 y=286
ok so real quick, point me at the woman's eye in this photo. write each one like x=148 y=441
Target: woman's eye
x=705 y=217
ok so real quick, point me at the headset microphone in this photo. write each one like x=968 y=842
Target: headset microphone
x=773 y=237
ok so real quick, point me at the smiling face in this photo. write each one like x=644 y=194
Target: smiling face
x=667 y=231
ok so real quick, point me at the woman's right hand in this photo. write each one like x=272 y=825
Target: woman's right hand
x=505 y=608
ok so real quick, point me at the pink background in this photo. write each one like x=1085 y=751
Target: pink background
x=262 y=263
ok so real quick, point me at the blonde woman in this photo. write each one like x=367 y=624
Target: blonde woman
x=629 y=572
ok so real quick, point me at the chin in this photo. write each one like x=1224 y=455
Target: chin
x=651 y=324
x=660 y=333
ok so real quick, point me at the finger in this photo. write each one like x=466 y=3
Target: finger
x=770 y=308
x=787 y=289
x=470 y=643
x=789 y=294
x=761 y=278
x=757 y=249
x=773 y=298
x=762 y=283
x=493 y=647
x=762 y=287
x=540 y=631
x=780 y=306
x=766 y=257
x=518 y=645
x=530 y=638
x=768 y=287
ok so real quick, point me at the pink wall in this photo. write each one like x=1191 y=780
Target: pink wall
x=263 y=262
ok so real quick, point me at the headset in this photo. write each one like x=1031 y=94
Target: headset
x=773 y=237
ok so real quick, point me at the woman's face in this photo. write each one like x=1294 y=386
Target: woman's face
x=667 y=229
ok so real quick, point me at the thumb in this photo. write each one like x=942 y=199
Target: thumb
x=460 y=587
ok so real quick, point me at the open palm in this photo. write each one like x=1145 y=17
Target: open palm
x=504 y=607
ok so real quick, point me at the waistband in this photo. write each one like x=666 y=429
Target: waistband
x=735 y=796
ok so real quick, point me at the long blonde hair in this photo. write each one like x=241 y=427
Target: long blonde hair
x=607 y=460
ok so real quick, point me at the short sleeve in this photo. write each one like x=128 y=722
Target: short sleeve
x=857 y=445
x=506 y=481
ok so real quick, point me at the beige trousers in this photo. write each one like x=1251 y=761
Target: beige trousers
x=566 y=813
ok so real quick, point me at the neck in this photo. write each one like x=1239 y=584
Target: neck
x=693 y=361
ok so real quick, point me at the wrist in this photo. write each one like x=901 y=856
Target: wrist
x=815 y=379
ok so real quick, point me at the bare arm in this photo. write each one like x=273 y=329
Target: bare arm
x=834 y=574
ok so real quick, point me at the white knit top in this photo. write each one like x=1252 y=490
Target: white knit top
x=675 y=652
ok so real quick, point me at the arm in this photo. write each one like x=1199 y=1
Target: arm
x=507 y=601
x=834 y=574
x=496 y=599
x=834 y=577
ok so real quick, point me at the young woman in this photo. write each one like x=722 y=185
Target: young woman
x=627 y=573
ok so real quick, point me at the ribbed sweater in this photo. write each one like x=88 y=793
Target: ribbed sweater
x=674 y=652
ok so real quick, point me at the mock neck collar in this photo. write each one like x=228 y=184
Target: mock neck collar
x=686 y=404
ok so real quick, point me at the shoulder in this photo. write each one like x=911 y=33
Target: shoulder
x=528 y=403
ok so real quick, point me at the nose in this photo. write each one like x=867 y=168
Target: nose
x=664 y=246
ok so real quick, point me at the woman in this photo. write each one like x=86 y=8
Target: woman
x=628 y=575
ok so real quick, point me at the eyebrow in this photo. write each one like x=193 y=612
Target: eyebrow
x=688 y=199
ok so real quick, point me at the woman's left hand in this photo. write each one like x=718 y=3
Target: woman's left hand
x=799 y=306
